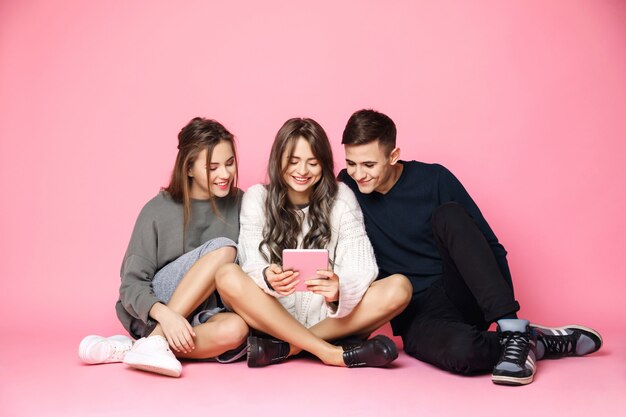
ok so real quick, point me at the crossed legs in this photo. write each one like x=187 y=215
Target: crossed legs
x=263 y=312
x=222 y=332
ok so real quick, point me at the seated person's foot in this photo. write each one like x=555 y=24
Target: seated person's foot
x=97 y=349
x=153 y=354
x=375 y=352
x=263 y=351
x=572 y=340
x=517 y=363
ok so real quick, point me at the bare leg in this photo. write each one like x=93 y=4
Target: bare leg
x=195 y=287
x=265 y=313
x=383 y=300
x=222 y=332
x=199 y=282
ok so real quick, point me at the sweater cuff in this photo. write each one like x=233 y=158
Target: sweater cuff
x=269 y=286
x=259 y=278
x=146 y=305
x=333 y=308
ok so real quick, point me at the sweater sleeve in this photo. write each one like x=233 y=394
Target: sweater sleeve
x=354 y=261
x=251 y=222
x=138 y=269
x=451 y=189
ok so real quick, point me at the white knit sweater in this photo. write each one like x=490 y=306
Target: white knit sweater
x=349 y=249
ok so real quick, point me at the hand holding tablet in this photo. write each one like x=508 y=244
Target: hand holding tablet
x=307 y=262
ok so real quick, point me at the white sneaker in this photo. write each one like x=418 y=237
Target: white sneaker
x=97 y=349
x=153 y=354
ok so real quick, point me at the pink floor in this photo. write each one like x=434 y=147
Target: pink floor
x=46 y=379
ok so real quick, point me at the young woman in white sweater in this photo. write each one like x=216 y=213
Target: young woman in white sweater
x=303 y=206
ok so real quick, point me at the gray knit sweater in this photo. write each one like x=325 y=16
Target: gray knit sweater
x=157 y=240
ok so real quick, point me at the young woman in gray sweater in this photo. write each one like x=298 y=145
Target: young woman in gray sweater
x=181 y=237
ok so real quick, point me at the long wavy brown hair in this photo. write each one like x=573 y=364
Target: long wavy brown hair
x=283 y=219
x=197 y=135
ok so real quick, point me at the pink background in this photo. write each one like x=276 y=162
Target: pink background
x=525 y=101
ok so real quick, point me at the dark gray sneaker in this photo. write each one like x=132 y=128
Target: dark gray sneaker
x=517 y=363
x=571 y=340
x=233 y=355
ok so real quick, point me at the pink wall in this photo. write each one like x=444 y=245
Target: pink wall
x=524 y=101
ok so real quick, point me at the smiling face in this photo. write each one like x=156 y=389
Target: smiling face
x=371 y=168
x=222 y=172
x=301 y=171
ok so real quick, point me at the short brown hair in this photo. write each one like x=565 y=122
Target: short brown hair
x=366 y=126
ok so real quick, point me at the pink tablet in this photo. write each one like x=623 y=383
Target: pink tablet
x=305 y=261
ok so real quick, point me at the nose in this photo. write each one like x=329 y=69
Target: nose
x=222 y=172
x=358 y=173
x=302 y=168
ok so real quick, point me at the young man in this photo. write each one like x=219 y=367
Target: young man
x=423 y=224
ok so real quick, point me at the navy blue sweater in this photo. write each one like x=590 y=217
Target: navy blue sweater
x=398 y=223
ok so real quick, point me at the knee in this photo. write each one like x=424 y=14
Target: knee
x=225 y=254
x=398 y=294
x=228 y=280
x=232 y=332
x=460 y=355
x=448 y=215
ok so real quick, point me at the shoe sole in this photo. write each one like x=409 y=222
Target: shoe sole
x=84 y=346
x=511 y=380
x=591 y=333
x=147 y=363
x=237 y=355
x=89 y=341
x=389 y=344
x=253 y=348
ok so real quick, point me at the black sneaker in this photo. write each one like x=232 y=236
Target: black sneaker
x=266 y=351
x=517 y=363
x=572 y=340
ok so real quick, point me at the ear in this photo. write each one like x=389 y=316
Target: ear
x=394 y=156
x=189 y=172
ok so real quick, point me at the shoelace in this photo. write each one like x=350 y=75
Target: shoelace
x=351 y=357
x=559 y=345
x=516 y=346
x=119 y=350
x=161 y=342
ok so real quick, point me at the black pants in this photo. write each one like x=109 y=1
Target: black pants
x=446 y=325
